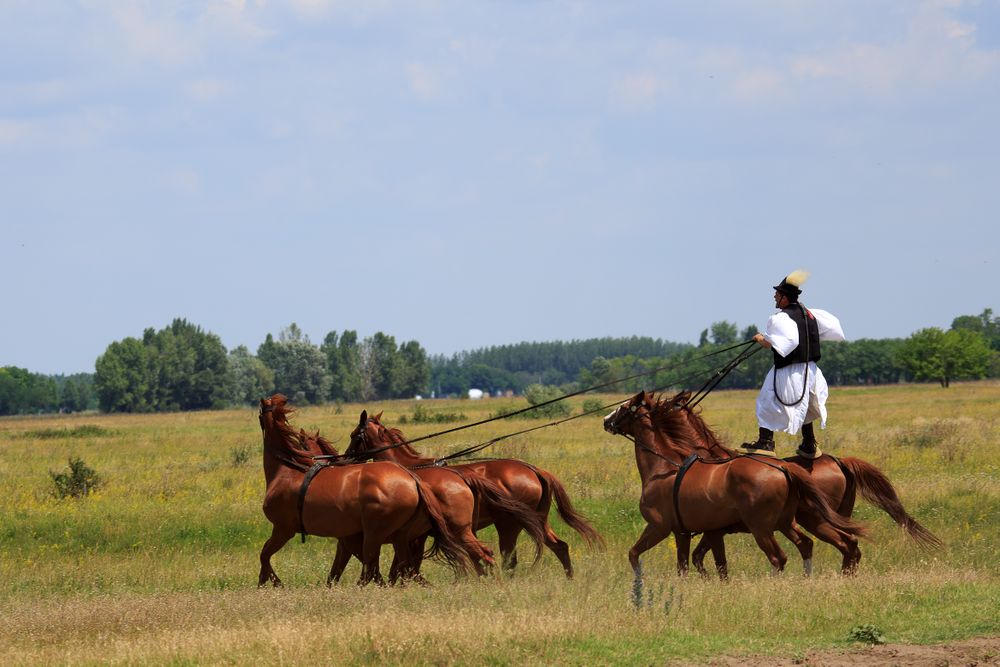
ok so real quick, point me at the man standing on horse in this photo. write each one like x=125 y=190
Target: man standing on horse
x=794 y=392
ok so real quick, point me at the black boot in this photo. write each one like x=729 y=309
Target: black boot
x=765 y=440
x=808 y=448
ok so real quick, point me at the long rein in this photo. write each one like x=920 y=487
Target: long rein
x=713 y=381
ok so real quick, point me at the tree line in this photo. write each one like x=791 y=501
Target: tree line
x=182 y=367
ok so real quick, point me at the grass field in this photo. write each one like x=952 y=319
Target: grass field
x=160 y=564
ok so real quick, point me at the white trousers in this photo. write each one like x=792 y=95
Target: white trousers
x=773 y=415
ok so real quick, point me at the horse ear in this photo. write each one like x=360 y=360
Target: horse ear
x=364 y=418
x=378 y=417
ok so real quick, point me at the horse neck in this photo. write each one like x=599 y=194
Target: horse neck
x=402 y=454
x=648 y=463
x=274 y=451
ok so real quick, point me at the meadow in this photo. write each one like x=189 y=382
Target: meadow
x=159 y=565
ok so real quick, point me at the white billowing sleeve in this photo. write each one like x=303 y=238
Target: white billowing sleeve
x=829 y=326
x=782 y=333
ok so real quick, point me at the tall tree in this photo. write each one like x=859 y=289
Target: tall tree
x=385 y=365
x=943 y=356
x=125 y=380
x=23 y=392
x=414 y=372
x=252 y=379
x=300 y=370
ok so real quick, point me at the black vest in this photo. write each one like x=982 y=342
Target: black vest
x=808 y=349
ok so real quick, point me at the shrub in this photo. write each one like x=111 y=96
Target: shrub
x=84 y=431
x=539 y=393
x=867 y=634
x=240 y=455
x=592 y=405
x=78 y=482
x=422 y=415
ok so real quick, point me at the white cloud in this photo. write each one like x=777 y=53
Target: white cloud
x=208 y=90
x=423 y=82
x=160 y=39
x=937 y=51
x=636 y=92
x=13 y=132
x=360 y=10
x=760 y=85
x=183 y=181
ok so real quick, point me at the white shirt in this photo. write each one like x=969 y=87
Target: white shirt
x=783 y=334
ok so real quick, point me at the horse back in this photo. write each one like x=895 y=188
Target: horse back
x=517 y=478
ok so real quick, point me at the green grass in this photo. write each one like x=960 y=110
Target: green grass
x=159 y=565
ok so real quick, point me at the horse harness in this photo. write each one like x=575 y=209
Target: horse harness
x=310 y=473
x=684 y=466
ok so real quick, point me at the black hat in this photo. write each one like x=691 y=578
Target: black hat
x=791 y=283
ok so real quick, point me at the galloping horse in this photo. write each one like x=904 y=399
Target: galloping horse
x=382 y=502
x=461 y=494
x=760 y=494
x=839 y=480
x=527 y=484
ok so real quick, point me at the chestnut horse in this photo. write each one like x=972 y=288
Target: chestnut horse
x=839 y=480
x=527 y=484
x=760 y=494
x=380 y=502
x=461 y=495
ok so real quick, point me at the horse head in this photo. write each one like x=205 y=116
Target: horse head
x=369 y=434
x=623 y=420
x=273 y=412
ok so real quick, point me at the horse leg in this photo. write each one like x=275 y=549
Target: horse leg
x=279 y=537
x=715 y=542
x=507 y=533
x=346 y=547
x=698 y=555
x=560 y=549
x=804 y=544
x=846 y=544
x=406 y=562
x=765 y=540
x=651 y=536
x=370 y=550
x=683 y=543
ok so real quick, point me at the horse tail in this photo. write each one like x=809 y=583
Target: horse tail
x=502 y=503
x=809 y=495
x=553 y=488
x=445 y=545
x=876 y=488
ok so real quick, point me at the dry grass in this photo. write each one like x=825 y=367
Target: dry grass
x=159 y=566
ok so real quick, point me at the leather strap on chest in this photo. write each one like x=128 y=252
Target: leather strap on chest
x=312 y=472
x=688 y=462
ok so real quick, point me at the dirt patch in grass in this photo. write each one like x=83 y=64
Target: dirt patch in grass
x=968 y=652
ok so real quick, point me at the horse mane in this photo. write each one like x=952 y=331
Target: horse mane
x=712 y=441
x=325 y=446
x=674 y=423
x=685 y=424
x=398 y=438
x=294 y=442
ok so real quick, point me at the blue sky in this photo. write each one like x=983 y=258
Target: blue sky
x=475 y=173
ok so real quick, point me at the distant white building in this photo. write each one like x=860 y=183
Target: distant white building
x=475 y=394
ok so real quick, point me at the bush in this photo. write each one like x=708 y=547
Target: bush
x=240 y=455
x=539 y=393
x=592 y=405
x=867 y=634
x=84 y=431
x=422 y=415
x=78 y=482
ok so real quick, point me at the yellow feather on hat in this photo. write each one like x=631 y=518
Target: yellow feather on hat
x=797 y=277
